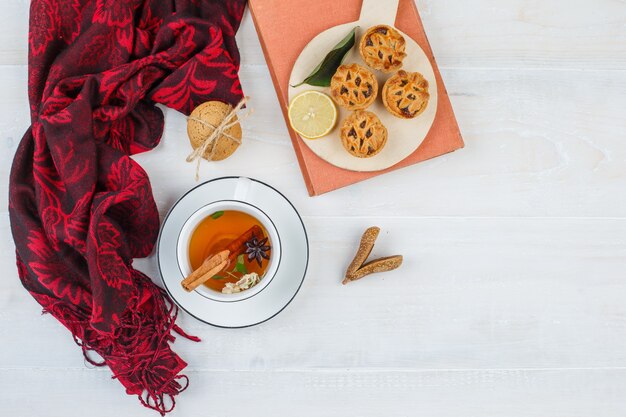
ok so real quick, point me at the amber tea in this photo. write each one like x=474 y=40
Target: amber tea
x=232 y=247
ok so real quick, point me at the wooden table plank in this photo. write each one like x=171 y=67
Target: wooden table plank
x=494 y=393
x=472 y=293
x=510 y=302
x=576 y=34
x=538 y=143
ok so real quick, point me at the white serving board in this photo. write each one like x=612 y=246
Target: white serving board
x=404 y=136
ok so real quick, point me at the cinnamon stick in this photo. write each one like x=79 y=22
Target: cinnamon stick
x=216 y=263
x=237 y=246
x=209 y=268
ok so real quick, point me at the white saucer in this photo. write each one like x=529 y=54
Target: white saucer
x=284 y=284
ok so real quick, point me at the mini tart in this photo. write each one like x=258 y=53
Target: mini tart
x=353 y=87
x=405 y=94
x=383 y=48
x=363 y=135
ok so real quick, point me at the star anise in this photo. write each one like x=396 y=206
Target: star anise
x=257 y=249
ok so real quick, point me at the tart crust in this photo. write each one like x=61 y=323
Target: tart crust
x=353 y=87
x=363 y=135
x=383 y=48
x=405 y=94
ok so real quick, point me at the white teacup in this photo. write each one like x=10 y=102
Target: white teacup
x=182 y=247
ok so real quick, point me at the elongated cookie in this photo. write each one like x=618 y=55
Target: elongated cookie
x=365 y=248
x=385 y=264
x=358 y=268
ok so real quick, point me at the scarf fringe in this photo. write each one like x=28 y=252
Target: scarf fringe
x=138 y=348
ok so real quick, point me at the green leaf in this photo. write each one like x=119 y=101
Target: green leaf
x=323 y=73
x=217 y=215
x=217 y=277
x=241 y=268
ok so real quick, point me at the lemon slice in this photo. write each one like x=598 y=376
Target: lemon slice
x=312 y=114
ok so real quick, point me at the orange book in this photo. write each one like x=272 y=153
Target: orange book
x=285 y=27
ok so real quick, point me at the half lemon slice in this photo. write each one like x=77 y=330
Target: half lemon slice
x=312 y=114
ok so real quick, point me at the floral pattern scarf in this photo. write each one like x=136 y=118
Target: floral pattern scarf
x=81 y=209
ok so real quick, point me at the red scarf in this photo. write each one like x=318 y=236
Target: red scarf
x=81 y=209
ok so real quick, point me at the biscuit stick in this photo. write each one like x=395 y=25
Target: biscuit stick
x=388 y=263
x=365 y=248
x=358 y=268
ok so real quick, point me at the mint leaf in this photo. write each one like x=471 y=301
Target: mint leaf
x=241 y=268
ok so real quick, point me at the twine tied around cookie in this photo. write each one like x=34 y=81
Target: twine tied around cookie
x=231 y=119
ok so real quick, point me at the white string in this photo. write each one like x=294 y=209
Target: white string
x=229 y=121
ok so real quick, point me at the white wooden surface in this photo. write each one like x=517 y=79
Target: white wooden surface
x=512 y=301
